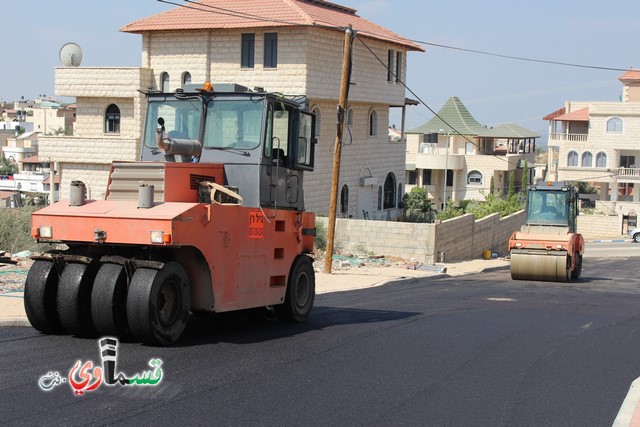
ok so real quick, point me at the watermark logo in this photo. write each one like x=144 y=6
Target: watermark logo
x=88 y=376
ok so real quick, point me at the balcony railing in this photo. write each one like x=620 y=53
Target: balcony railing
x=572 y=137
x=628 y=172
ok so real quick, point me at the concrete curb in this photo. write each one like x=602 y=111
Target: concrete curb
x=14 y=321
x=402 y=279
x=608 y=241
x=629 y=407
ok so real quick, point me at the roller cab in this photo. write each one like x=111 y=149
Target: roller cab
x=547 y=247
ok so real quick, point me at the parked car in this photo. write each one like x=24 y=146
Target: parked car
x=634 y=234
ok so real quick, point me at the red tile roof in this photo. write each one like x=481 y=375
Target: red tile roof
x=33 y=159
x=581 y=115
x=226 y=14
x=552 y=116
x=631 y=75
x=56 y=179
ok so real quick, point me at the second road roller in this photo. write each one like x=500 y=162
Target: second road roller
x=548 y=247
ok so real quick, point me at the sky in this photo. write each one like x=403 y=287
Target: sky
x=495 y=90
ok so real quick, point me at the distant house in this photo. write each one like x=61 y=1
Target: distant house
x=293 y=48
x=455 y=147
x=7 y=199
x=21 y=147
x=597 y=142
x=34 y=177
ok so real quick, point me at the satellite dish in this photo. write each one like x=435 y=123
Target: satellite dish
x=71 y=55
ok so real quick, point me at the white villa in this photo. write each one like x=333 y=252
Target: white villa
x=597 y=142
x=454 y=145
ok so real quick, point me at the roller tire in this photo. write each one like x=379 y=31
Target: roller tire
x=577 y=271
x=109 y=301
x=300 y=293
x=567 y=276
x=74 y=299
x=40 y=292
x=158 y=304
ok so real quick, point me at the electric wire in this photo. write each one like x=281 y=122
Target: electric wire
x=521 y=58
x=234 y=13
x=453 y=129
x=238 y=14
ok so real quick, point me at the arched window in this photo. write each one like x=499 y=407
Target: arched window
x=614 y=125
x=112 y=119
x=373 y=123
x=601 y=160
x=344 y=199
x=572 y=158
x=474 y=178
x=350 y=117
x=186 y=78
x=164 y=82
x=400 y=195
x=379 y=198
x=316 y=111
x=389 y=191
x=587 y=159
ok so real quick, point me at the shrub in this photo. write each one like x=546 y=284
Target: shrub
x=417 y=206
x=451 y=211
x=321 y=236
x=15 y=231
x=495 y=204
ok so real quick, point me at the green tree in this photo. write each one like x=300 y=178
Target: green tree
x=584 y=187
x=6 y=167
x=417 y=206
x=525 y=178
x=492 y=186
x=512 y=185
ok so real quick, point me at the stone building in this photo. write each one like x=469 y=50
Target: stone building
x=289 y=46
x=597 y=142
x=455 y=145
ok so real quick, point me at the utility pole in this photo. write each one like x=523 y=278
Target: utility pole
x=337 y=150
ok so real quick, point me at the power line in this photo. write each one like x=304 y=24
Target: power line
x=522 y=58
x=399 y=80
x=229 y=12
x=238 y=14
x=499 y=55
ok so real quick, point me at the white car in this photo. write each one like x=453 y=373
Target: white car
x=634 y=235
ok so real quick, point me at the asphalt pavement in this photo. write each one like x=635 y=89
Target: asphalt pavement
x=343 y=278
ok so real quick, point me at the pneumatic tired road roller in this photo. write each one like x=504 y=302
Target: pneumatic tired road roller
x=548 y=247
x=210 y=220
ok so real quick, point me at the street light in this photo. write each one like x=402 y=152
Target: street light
x=446 y=167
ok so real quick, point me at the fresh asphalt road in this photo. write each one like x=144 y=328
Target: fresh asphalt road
x=478 y=350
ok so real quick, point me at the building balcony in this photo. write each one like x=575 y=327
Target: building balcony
x=115 y=82
x=556 y=138
x=627 y=174
x=439 y=161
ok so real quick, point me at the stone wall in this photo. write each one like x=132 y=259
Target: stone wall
x=600 y=226
x=459 y=238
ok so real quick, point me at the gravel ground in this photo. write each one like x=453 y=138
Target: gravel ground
x=13 y=276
